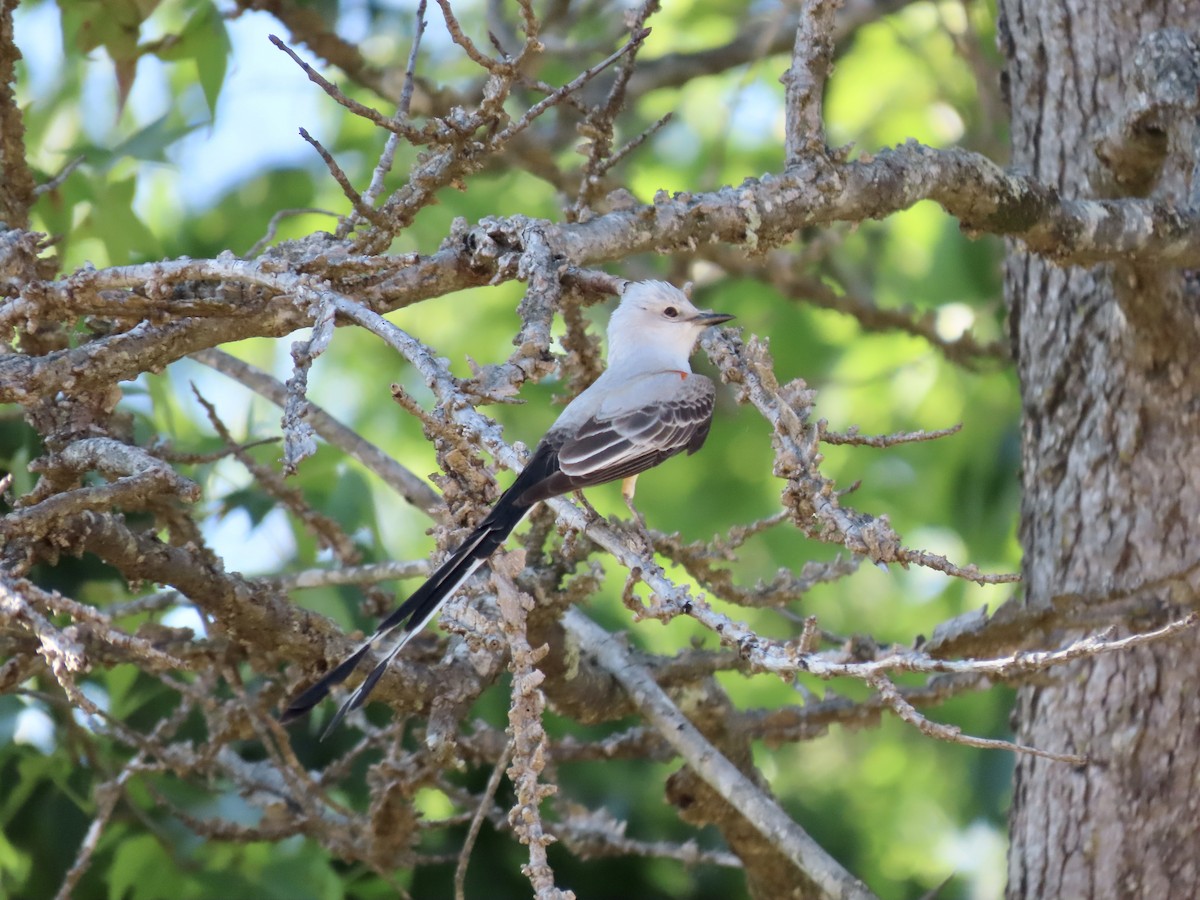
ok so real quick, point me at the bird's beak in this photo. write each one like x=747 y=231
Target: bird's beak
x=707 y=317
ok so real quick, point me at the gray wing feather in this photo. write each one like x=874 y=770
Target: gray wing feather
x=608 y=447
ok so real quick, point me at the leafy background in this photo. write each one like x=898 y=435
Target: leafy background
x=185 y=120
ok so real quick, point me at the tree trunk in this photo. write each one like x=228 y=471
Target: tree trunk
x=1111 y=471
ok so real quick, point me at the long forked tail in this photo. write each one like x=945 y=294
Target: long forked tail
x=414 y=613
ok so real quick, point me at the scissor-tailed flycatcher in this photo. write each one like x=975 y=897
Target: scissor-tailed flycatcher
x=647 y=406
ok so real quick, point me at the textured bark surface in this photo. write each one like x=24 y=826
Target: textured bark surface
x=1111 y=470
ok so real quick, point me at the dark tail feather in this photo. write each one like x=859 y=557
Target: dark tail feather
x=413 y=614
x=320 y=690
x=359 y=697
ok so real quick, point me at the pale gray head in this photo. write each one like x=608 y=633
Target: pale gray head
x=656 y=324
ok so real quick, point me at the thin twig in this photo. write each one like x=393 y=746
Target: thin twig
x=387 y=159
x=54 y=183
x=107 y=796
x=273 y=226
x=567 y=89
x=372 y=115
x=486 y=799
x=632 y=144
x=853 y=438
x=909 y=714
x=496 y=67
x=325 y=529
x=356 y=200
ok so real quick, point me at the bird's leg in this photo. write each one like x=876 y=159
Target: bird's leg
x=590 y=510
x=628 y=486
x=639 y=532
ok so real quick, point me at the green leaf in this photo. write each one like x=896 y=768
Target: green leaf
x=256 y=504
x=351 y=502
x=113 y=221
x=135 y=862
x=33 y=772
x=88 y=24
x=205 y=42
x=15 y=866
x=150 y=143
x=120 y=682
x=112 y=24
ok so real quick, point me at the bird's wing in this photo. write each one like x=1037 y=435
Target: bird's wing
x=673 y=415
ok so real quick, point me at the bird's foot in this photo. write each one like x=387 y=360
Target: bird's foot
x=636 y=530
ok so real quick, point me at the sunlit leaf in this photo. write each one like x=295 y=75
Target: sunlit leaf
x=205 y=41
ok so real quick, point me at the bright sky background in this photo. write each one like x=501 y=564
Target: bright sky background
x=266 y=97
x=265 y=100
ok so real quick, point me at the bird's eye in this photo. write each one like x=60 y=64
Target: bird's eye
x=670 y=312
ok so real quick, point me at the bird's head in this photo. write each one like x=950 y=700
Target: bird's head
x=656 y=318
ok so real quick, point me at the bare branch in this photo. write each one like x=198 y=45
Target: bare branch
x=756 y=215
x=597 y=834
x=882 y=440
x=738 y=790
x=408 y=485
x=92 y=634
x=809 y=495
x=459 y=37
x=528 y=738
x=142 y=481
x=364 y=574
x=812 y=55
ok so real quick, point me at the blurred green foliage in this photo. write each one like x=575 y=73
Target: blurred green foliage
x=900 y=810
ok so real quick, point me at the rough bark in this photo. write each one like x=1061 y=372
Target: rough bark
x=1111 y=464
x=16 y=187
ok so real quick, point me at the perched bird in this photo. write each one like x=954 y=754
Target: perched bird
x=647 y=406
